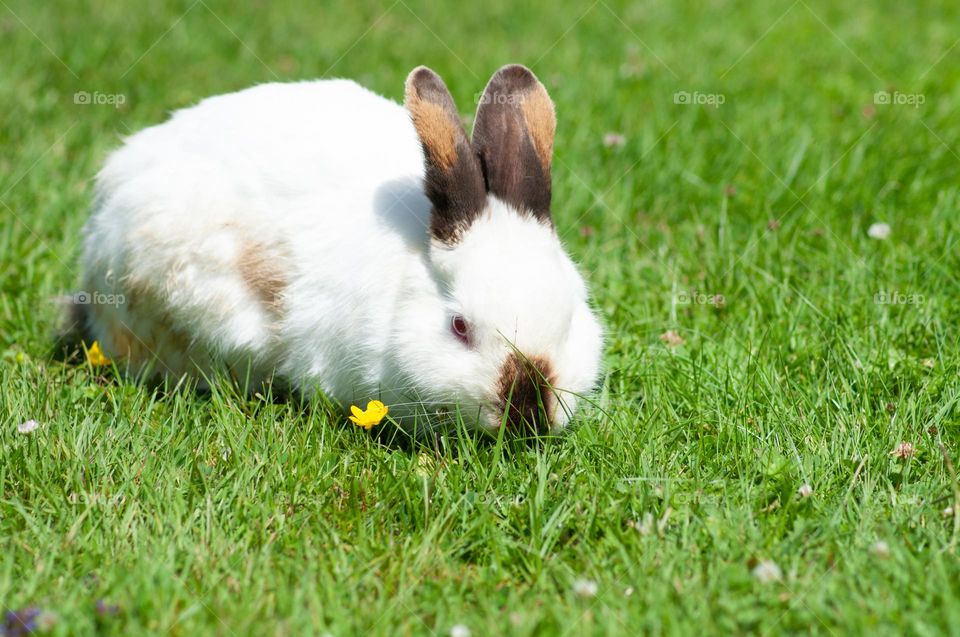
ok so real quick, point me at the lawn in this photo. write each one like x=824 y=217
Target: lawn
x=775 y=441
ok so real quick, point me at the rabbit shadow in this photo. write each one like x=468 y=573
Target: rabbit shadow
x=403 y=208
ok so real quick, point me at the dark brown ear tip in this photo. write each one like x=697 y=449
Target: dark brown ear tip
x=515 y=70
x=422 y=81
x=422 y=73
x=516 y=76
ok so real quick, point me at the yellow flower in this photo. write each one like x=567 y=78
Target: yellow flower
x=95 y=355
x=370 y=416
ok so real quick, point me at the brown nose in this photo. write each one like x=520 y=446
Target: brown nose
x=525 y=393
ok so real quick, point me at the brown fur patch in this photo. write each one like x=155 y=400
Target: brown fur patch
x=128 y=347
x=262 y=274
x=524 y=391
x=513 y=137
x=453 y=180
x=119 y=343
x=435 y=117
x=541 y=120
x=164 y=347
x=433 y=128
x=157 y=344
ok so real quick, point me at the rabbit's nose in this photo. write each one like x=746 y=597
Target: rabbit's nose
x=525 y=392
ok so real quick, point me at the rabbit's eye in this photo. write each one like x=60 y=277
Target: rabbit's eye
x=460 y=328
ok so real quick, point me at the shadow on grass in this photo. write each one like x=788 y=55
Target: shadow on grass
x=438 y=434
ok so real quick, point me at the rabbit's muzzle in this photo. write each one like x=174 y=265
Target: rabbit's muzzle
x=525 y=393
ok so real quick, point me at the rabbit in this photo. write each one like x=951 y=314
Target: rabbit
x=318 y=233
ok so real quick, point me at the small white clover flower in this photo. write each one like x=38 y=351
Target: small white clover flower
x=612 y=139
x=880 y=549
x=459 y=630
x=767 y=572
x=879 y=231
x=805 y=491
x=28 y=427
x=585 y=588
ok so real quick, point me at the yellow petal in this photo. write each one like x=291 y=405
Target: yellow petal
x=370 y=416
x=376 y=410
x=95 y=355
x=361 y=422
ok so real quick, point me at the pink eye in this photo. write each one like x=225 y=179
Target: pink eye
x=460 y=329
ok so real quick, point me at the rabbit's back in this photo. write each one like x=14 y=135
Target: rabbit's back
x=253 y=219
x=275 y=140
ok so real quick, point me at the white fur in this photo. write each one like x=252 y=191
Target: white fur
x=323 y=180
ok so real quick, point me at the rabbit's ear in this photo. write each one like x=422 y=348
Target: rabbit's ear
x=454 y=180
x=513 y=136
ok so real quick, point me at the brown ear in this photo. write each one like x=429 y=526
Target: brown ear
x=513 y=135
x=454 y=180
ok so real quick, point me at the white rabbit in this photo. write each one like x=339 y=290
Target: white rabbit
x=325 y=235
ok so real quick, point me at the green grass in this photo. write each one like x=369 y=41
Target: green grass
x=228 y=515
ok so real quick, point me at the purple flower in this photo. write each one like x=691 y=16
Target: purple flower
x=26 y=621
x=20 y=622
x=104 y=609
